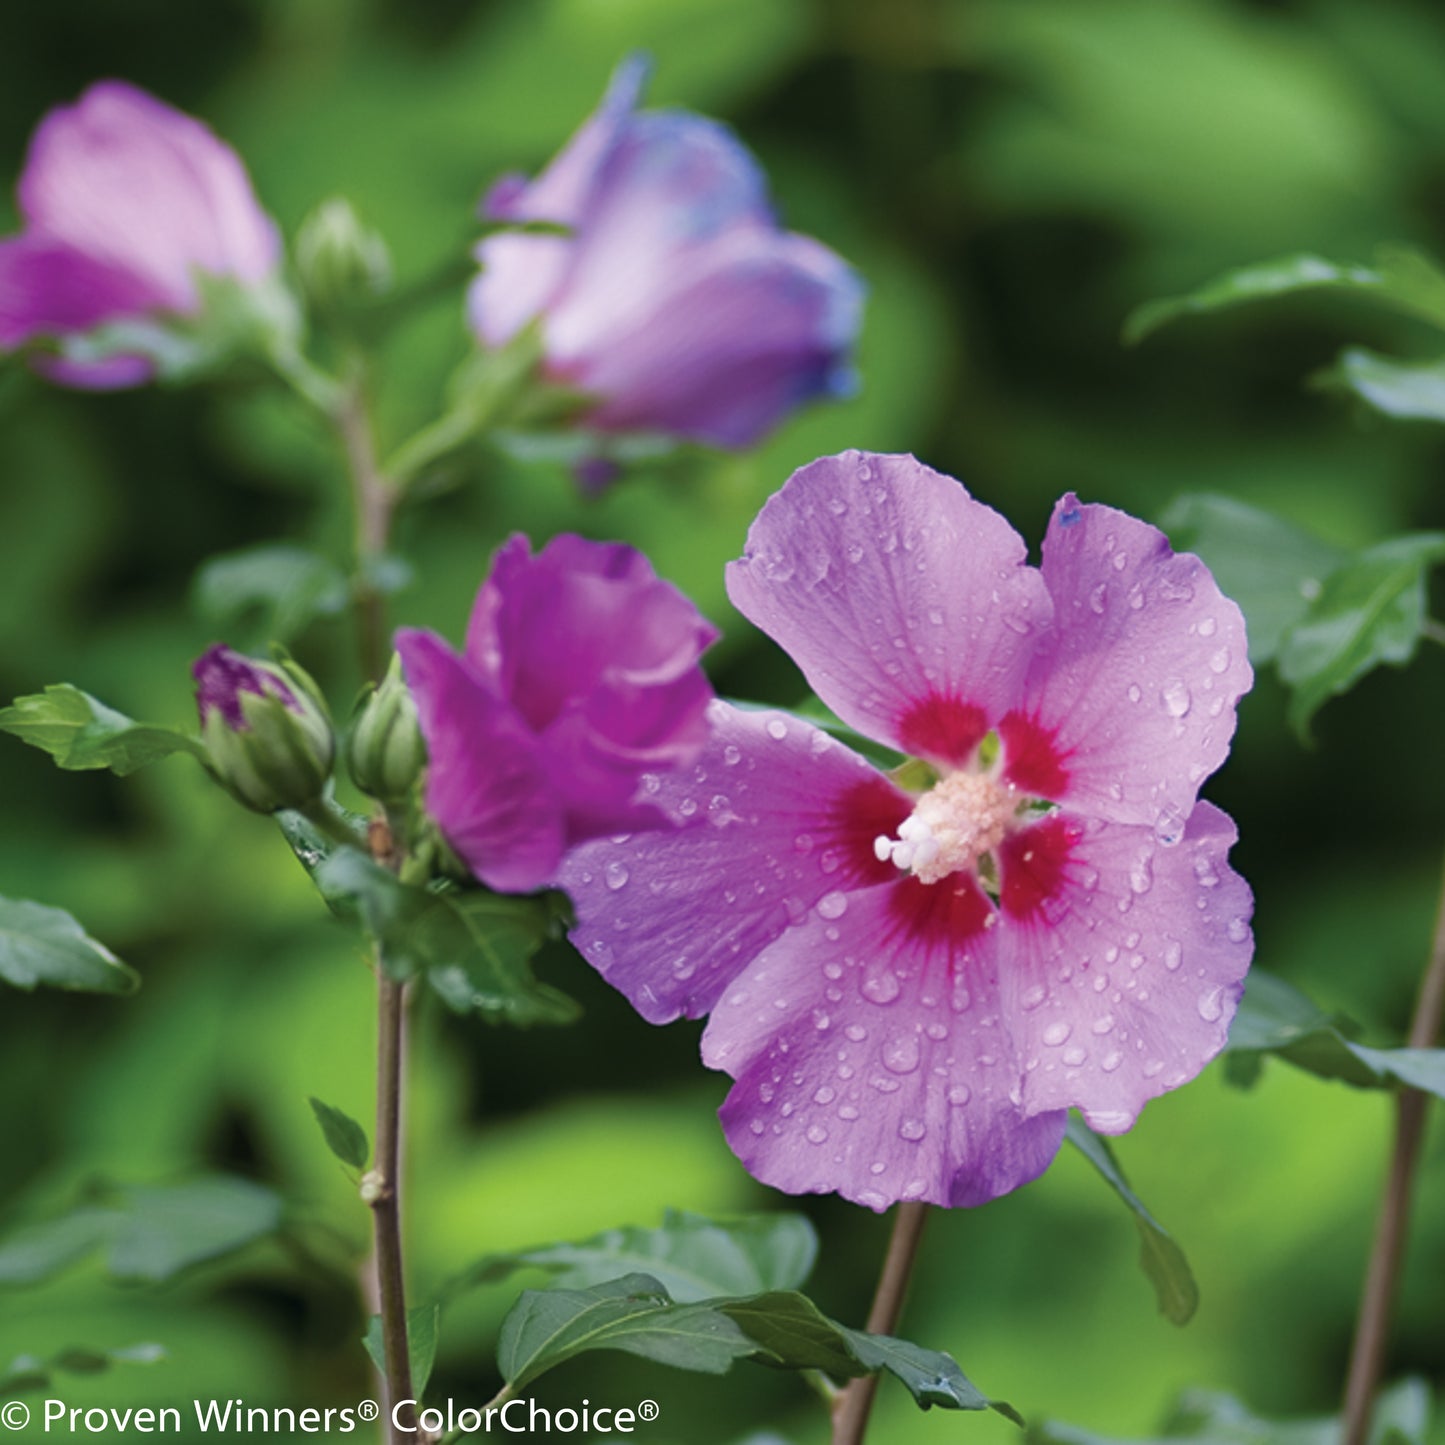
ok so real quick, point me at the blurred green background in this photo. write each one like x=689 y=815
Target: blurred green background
x=1011 y=176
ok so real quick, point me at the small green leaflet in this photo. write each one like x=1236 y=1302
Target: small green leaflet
x=42 y=945
x=1401 y=280
x=79 y=732
x=1371 y=610
x=344 y=1136
x=1159 y=1256
x=27 y=1372
x=289 y=586
x=148 y=1233
x=1270 y=567
x=1275 y=1018
x=693 y=1257
x=1405 y=390
x=422 y=1324
x=1207 y=1417
x=782 y=1328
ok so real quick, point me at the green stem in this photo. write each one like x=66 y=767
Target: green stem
x=855 y=1401
x=1372 y=1329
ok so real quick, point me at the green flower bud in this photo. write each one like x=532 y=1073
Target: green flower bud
x=385 y=751
x=266 y=730
x=342 y=261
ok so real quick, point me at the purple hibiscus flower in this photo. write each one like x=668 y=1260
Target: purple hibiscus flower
x=911 y=988
x=675 y=300
x=125 y=202
x=580 y=683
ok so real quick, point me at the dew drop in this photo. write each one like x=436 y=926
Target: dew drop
x=1103 y=1024
x=1111 y=1061
x=1238 y=930
x=1074 y=1057
x=615 y=875
x=1173 y=955
x=1175 y=698
x=1211 y=1005
x=856 y=1032
x=847 y=1112
x=1219 y=661
x=1056 y=1033
x=1134 y=692
x=732 y=755
x=1141 y=873
x=1121 y=561
x=832 y=905
x=1097 y=598
x=821 y=1021
x=881 y=985
x=959 y=1095
x=1169 y=825
x=825 y=1095
x=1204 y=871
x=900 y=1054
x=817 y=1134
x=912 y=1130
x=777 y=729
x=937 y=1032
x=1031 y=998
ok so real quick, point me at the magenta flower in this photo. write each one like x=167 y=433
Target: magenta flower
x=675 y=301
x=911 y=988
x=579 y=688
x=126 y=202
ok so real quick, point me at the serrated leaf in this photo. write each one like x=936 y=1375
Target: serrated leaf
x=1404 y=390
x=633 y=1314
x=290 y=585
x=1159 y=1256
x=423 y=1324
x=344 y=1136
x=80 y=732
x=1370 y=610
x=43 y=945
x=148 y=1234
x=1275 y=1018
x=1400 y=279
x=1270 y=567
x=693 y=1257
x=26 y=1372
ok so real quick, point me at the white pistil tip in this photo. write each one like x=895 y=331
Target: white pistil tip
x=882 y=848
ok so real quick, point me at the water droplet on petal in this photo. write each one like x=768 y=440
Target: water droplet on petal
x=900 y=1054
x=615 y=875
x=911 y=1129
x=1032 y=997
x=1097 y=599
x=1056 y=1033
x=959 y=1095
x=777 y=729
x=881 y=985
x=1074 y=1057
x=1211 y=1005
x=817 y=1134
x=1173 y=955
x=1141 y=873
x=1175 y=698
x=1111 y=1061
x=1219 y=661
x=832 y=905
x=1238 y=930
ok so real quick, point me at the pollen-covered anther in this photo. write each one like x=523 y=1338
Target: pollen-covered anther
x=954 y=824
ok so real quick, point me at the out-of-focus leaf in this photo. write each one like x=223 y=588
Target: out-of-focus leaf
x=1275 y=1018
x=1159 y=1256
x=344 y=1136
x=80 y=732
x=693 y=1257
x=290 y=585
x=1402 y=280
x=148 y=1233
x=43 y=945
x=779 y=1327
x=1410 y=390
x=1369 y=611
x=422 y=1325
x=1272 y=569
x=27 y=1372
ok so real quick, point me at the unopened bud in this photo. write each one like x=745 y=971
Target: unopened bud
x=385 y=752
x=266 y=730
x=342 y=261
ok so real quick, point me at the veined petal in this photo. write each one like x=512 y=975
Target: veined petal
x=1120 y=979
x=872 y=1059
x=487 y=785
x=136 y=184
x=776 y=819
x=48 y=288
x=909 y=606
x=1130 y=702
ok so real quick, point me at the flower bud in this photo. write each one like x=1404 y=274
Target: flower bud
x=342 y=261
x=384 y=750
x=266 y=730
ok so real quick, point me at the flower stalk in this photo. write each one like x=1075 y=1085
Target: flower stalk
x=854 y=1403
x=1372 y=1328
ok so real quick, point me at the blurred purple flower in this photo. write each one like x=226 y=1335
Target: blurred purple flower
x=579 y=688
x=125 y=201
x=911 y=989
x=675 y=302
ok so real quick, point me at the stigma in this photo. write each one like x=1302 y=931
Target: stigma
x=954 y=824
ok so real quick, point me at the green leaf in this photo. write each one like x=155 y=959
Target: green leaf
x=1275 y=1018
x=776 y=1327
x=691 y=1256
x=353 y=885
x=79 y=732
x=26 y=1372
x=1401 y=280
x=1406 y=390
x=290 y=585
x=344 y=1136
x=422 y=1327
x=633 y=1314
x=1370 y=610
x=42 y=945
x=1271 y=568
x=148 y=1234
x=1159 y=1256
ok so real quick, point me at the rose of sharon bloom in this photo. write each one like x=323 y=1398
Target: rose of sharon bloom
x=910 y=988
x=125 y=201
x=675 y=301
x=579 y=681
